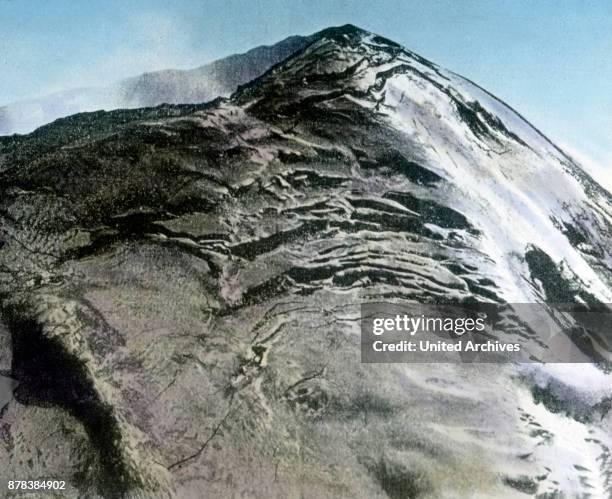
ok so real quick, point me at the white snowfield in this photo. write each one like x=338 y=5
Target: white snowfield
x=515 y=191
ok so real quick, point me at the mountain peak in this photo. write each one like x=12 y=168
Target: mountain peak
x=344 y=59
x=353 y=33
x=345 y=29
x=348 y=63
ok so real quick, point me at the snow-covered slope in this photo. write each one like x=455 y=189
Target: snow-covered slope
x=199 y=272
x=510 y=181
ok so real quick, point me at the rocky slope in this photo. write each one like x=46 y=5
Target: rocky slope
x=181 y=290
x=172 y=86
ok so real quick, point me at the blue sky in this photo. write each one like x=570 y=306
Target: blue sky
x=551 y=60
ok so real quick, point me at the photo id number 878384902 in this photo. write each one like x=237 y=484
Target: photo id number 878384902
x=36 y=485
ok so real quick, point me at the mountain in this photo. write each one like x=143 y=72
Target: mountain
x=219 y=78
x=182 y=287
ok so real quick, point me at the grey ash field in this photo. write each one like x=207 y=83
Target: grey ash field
x=181 y=285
